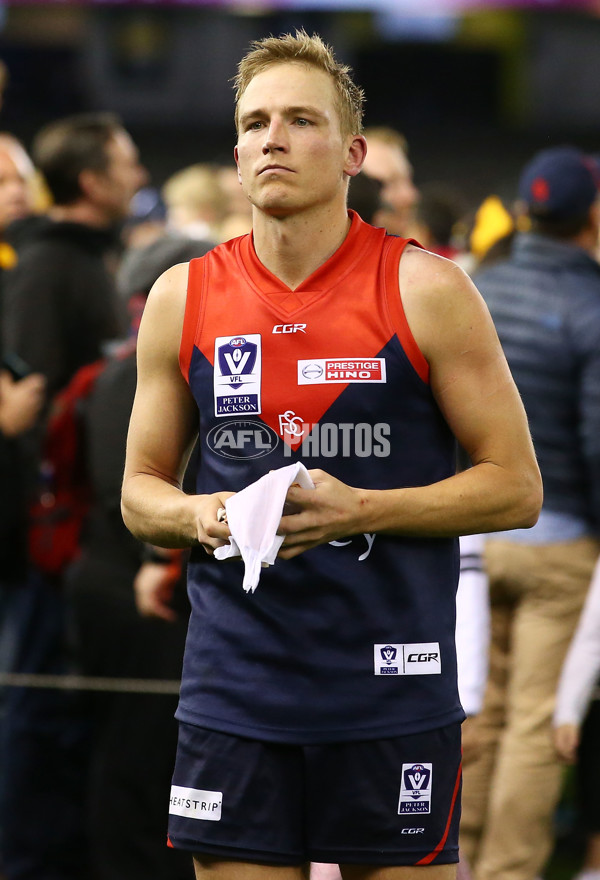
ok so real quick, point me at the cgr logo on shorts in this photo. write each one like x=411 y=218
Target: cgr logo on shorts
x=415 y=789
x=195 y=803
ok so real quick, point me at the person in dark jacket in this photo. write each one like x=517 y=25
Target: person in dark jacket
x=60 y=310
x=545 y=301
x=129 y=620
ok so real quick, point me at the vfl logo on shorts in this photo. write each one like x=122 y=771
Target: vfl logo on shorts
x=237 y=375
x=415 y=790
x=194 y=803
x=422 y=658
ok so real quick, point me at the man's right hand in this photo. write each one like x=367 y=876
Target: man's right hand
x=20 y=402
x=212 y=532
x=566 y=742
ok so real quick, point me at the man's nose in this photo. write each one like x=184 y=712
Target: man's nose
x=275 y=137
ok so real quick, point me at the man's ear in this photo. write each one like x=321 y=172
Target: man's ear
x=89 y=183
x=357 y=150
x=235 y=156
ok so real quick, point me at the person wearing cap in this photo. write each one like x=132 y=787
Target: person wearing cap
x=545 y=301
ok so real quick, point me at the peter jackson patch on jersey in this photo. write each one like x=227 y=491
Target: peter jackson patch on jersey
x=237 y=375
x=420 y=658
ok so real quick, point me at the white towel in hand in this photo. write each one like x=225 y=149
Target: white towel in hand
x=253 y=517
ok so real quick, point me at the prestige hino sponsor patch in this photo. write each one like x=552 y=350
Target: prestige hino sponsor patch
x=237 y=375
x=195 y=803
x=324 y=371
x=420 y=658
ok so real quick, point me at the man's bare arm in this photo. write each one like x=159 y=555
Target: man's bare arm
x=162 y=430
x=473 y=387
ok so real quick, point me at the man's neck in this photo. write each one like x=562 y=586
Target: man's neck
x=588 y=240
x=80 y=212
x=294 y=247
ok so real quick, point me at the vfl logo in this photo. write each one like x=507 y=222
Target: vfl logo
x=416 y=778
x=237 y=375
x=237 y=358
x=415 y=790
x=291 y=424
x=388 y=654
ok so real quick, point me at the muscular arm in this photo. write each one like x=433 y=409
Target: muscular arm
x=162 y=431
x=475 y=392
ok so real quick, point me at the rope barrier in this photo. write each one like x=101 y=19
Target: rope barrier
x=89 y=683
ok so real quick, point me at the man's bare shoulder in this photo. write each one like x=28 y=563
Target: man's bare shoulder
x=427 y=273
x=439 y=299
x=162 y=321
x=171 y=285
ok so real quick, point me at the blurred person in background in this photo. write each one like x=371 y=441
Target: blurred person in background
x=4 y=80
x=134 y=735
x=195 y=206
x=60 y=310
x=492 y=233
x=147 y=219
x=364 y=197
x=545 y=301
x=195 y=202
x=60 y=304
x=21 y=398
x=387 y=161
x=21 y=391
x=439 y=221
x=577 y=724
x=238 y=212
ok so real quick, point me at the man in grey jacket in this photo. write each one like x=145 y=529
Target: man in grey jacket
x=545 y=301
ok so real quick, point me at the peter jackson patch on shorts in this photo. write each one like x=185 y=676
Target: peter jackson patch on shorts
x=195 y=803
x=415 y=790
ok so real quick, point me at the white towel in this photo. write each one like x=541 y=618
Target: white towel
x=253 y=516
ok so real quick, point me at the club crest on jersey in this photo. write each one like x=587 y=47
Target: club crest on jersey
x=415 y=789
x=237 y=374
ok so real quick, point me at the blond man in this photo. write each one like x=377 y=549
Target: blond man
x=319 y=714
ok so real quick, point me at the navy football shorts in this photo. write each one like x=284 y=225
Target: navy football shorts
x=392 y=801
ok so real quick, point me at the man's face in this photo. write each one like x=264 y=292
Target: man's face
x=388 y=164
x=122 y=178
x=291 y=154
x=14 y=192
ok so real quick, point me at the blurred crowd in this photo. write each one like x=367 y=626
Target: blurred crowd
x=91 y=650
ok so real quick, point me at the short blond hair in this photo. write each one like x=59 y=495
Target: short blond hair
x=307 y=50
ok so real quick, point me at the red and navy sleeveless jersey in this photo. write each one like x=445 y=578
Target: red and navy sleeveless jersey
x=350 y=640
